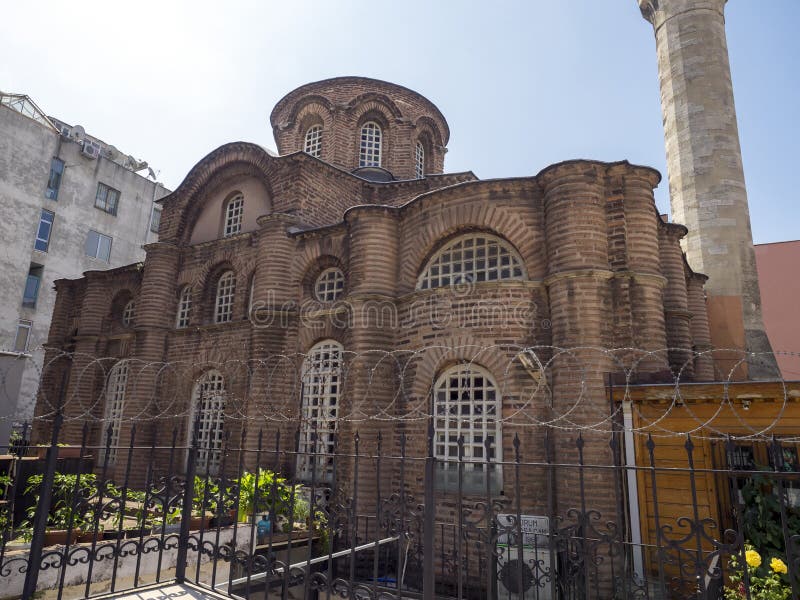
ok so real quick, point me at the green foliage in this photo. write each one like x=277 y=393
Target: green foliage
x=761 y=522
x=275 y=495
x=767 y=581
x=68 y=505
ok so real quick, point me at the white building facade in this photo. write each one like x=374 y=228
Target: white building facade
x=70 y=203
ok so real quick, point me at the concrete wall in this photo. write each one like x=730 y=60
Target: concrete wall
x=26 y=150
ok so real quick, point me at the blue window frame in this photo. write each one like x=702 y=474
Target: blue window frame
x=54 y=181
x=32 y=284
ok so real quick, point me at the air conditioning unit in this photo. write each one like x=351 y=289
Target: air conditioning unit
x=90 y=149
x=530 y=576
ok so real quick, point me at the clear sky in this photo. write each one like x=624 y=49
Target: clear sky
x=522 y=84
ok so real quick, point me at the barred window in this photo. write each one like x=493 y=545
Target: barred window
x=419 y=161
x=184 y=307
x=472 y=258
x=129 y=314
x=370 y=153
x=234 y=212
x=467 y=403
x=115 y=406
x=313 y=142
x=106 y=199
x=329 y=285
x=322 y=380
x=208 y=403
x=226 y=288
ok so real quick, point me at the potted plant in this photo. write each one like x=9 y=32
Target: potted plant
x=70 y=508
x=204 y=501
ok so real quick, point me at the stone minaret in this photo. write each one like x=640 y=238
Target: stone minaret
x=704 y=164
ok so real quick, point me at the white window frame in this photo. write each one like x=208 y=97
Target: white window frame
x=226 y=292
x=466 y=401
x=322 y=379
x=419 y=160
x=26 y=325
x=155 y=218
x=129 y=314
x=472 y=258
x=183 y=318
x=329 y=285
x=234 y=216
x=100 y=238
x=116 y=387
x=313 y=141
x=371 y=145
x=208 y=397
x=47 y=217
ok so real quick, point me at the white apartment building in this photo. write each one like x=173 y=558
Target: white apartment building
x=70 y=203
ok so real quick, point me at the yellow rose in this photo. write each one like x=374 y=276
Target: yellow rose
x=778 y=565
x=753 y=558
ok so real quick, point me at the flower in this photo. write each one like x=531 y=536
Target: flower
x=777 y=565
x=753 y=558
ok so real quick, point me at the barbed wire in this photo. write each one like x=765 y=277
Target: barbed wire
x=537 y=386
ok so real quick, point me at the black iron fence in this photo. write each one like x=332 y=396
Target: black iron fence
x=562 y=515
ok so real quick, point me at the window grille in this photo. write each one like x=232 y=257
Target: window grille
x=128 y=314
x=329 y=285
x=106 y=199
x=419 y=161
x=208 y=401
x=226 y=288
x=54 y=181
x=467 y=403
x=234 y=212
x=472 y=258
x=313 y=142
x=184 y=308
x=115 y=404
x=322 y=380
x=371 y=137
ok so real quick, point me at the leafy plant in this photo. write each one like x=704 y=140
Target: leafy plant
x=766 y=581
x=69 y=500
x=761 y=521
x=267 y=492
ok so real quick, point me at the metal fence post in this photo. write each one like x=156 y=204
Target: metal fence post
x=428 y=574
x=186 y=511
x=42 y=513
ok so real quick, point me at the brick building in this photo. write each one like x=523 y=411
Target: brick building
x=338 y=284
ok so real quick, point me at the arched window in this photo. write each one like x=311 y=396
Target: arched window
x=226 y=288
x=234 y=212
x=322 y=381
x=370 y=149
x=208 y=408
x=313 y=141
x=419 y=161
x=184 y=307
x=471 y=258
x=115 y=406
x=466 y=403
x=329 y=285
x=129 y=314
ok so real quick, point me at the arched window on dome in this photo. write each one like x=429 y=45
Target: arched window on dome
x=234 y=214
x=313 y=141
x=472 y=258
x=115 y=407
x=322 y=383
x=226 y=289
x=466 y=402
x=419 y=160
x=370 y=147
x=183 y=318
x=208 y=410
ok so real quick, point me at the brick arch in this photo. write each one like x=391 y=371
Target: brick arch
x=313 y=113
x=182 y=207
x=449 y=217
x=373 y=101
x=206 y=291
x=426 y=124
x=306 y=104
